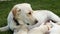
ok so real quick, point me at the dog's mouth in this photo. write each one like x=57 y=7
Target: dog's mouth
x=35 y=22
x=28 y=24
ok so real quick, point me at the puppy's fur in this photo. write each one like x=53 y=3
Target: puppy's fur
x=21 y=13
x=42 y=29
x=43 y=16
x=55 y=29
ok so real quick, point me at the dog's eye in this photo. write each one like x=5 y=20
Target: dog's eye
x=29 y=13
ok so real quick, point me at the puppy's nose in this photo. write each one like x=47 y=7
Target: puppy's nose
x=36 y=21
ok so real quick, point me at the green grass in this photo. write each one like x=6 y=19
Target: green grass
x=6 y=6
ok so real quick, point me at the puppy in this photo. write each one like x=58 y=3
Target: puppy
x=20 y=14
x=55 y=29
x=42 y=29
x=43 y=16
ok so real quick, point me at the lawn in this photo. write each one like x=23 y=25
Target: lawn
x=6 y=6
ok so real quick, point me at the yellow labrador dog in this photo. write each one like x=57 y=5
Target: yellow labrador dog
x=20 y=14
x=23 y=14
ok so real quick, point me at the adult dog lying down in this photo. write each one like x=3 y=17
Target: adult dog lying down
x=20 y=13
x=23 y=13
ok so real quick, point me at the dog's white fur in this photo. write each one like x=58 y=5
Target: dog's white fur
x=43 y=16
x=55 y=29
x=23 y=30
x=22 y=13
x=42 y=29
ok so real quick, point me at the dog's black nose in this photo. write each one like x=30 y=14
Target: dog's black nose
x=28 y=24
x=36 y=21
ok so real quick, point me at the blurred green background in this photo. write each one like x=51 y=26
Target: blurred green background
x=6 y=6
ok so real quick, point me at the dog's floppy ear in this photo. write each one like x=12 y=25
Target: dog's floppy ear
x=14 y=11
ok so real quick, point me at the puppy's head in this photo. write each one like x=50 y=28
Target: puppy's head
x=23 y=12
x=46 y=26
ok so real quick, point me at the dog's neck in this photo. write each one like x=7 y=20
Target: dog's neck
x=16 y=21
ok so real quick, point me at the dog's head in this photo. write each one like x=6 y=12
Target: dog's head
x=24 y=12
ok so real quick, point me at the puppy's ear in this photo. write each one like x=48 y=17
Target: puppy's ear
x=14 y=11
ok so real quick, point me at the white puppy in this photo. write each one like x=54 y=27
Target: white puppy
x=20 y=14
x=43 y=16
x=55 y=29
x=42 y=29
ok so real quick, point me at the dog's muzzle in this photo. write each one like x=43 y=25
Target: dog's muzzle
x=36 y=21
